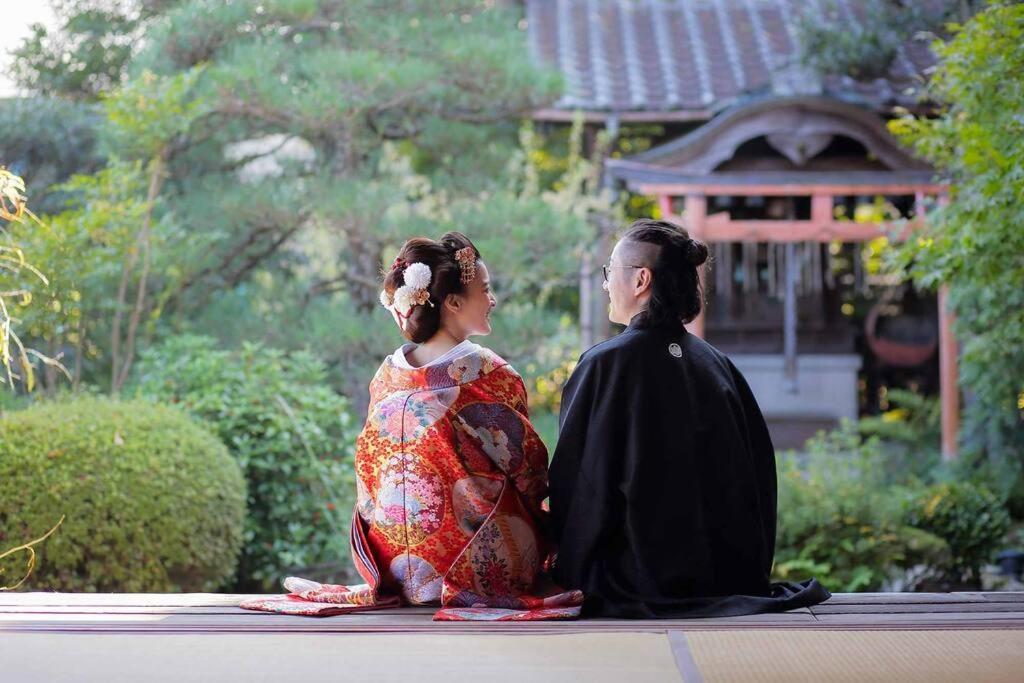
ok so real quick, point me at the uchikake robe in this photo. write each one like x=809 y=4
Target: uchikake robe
x=450 y=478
x=663 y=484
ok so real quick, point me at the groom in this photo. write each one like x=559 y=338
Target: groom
x=663 y=483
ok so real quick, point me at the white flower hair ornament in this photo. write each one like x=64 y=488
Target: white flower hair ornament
x=415 y=292
x=417 y=276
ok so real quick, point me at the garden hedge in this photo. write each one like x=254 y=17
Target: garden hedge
x=153 y=502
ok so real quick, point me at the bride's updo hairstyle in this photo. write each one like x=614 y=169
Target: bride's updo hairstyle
x=447 y=276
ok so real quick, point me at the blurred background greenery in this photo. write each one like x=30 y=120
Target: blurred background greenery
x=217 y=185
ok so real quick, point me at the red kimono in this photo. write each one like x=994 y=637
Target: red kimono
x=450 y=479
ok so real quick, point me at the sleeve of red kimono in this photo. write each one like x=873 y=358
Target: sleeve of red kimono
x=531 y=477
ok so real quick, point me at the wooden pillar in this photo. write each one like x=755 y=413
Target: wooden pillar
x=949 y=374
x=948 y=378
x=821 y=211
x=821 y=215
x=695 y=213
x=789 y=321
x=665 y=206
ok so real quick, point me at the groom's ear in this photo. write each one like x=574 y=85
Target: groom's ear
x=644 y=278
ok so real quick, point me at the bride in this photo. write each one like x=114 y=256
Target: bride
x=450 y=474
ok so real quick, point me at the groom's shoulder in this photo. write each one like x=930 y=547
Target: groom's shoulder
x=634 y=344
x=620 y=346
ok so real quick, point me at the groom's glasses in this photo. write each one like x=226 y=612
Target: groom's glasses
x=606 y=268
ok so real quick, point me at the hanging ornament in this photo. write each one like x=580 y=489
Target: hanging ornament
x=858 y=268
x=721 y=272
x=780 y=271
x=830 y=279
x=749 y=267
x=816 y=267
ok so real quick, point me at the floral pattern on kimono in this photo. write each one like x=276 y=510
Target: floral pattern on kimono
x=450 y=477
x=454 y=475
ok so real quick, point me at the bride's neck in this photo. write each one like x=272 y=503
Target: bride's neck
x=441 y=343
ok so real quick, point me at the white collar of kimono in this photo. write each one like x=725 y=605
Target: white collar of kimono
x=463 y=348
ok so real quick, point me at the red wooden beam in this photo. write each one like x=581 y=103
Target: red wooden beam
x=781 y=190
x=720 y=228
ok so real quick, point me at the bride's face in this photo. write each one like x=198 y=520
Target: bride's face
x=472 y=316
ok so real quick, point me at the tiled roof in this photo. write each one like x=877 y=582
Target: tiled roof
x=698 y=55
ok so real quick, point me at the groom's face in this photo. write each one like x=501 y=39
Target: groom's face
x=623 y=284
x=628 y=280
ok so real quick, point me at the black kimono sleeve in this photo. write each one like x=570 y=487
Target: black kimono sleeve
x=759 y=443
x=581 y=477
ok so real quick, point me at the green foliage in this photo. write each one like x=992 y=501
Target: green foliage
x=295 y=142
x=974 y=244
x=969 y=518
x=840 y=521
x=150 y=112
x=16 y=359
x=914 y=420
x=87 y=53
x=333 y=81
x=153 y=501
x=270 y=310
x=106 y=248
x=291 y=435
x=84 y=249
x=46 y=141
x=527 y=239
x=530 y=247
x=834 y=42
x=909 y=434
x=861 y=50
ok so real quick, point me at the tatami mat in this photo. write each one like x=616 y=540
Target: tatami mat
x=111 y=658
x=892 y=656
x=900 y=637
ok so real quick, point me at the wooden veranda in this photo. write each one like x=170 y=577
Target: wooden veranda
x=909 y=637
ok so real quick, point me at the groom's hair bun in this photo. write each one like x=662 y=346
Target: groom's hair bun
x=676 y=295
x=424 y=321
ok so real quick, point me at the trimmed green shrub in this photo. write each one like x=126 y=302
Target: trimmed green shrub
x=970 y=519
x=154 y=503
x=291 y=434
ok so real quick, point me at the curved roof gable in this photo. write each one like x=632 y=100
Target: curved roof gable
x=797 y=127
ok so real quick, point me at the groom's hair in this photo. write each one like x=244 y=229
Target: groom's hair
x=424 y=321
x=676 y=294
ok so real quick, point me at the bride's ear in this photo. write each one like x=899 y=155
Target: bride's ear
x=453 y=303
